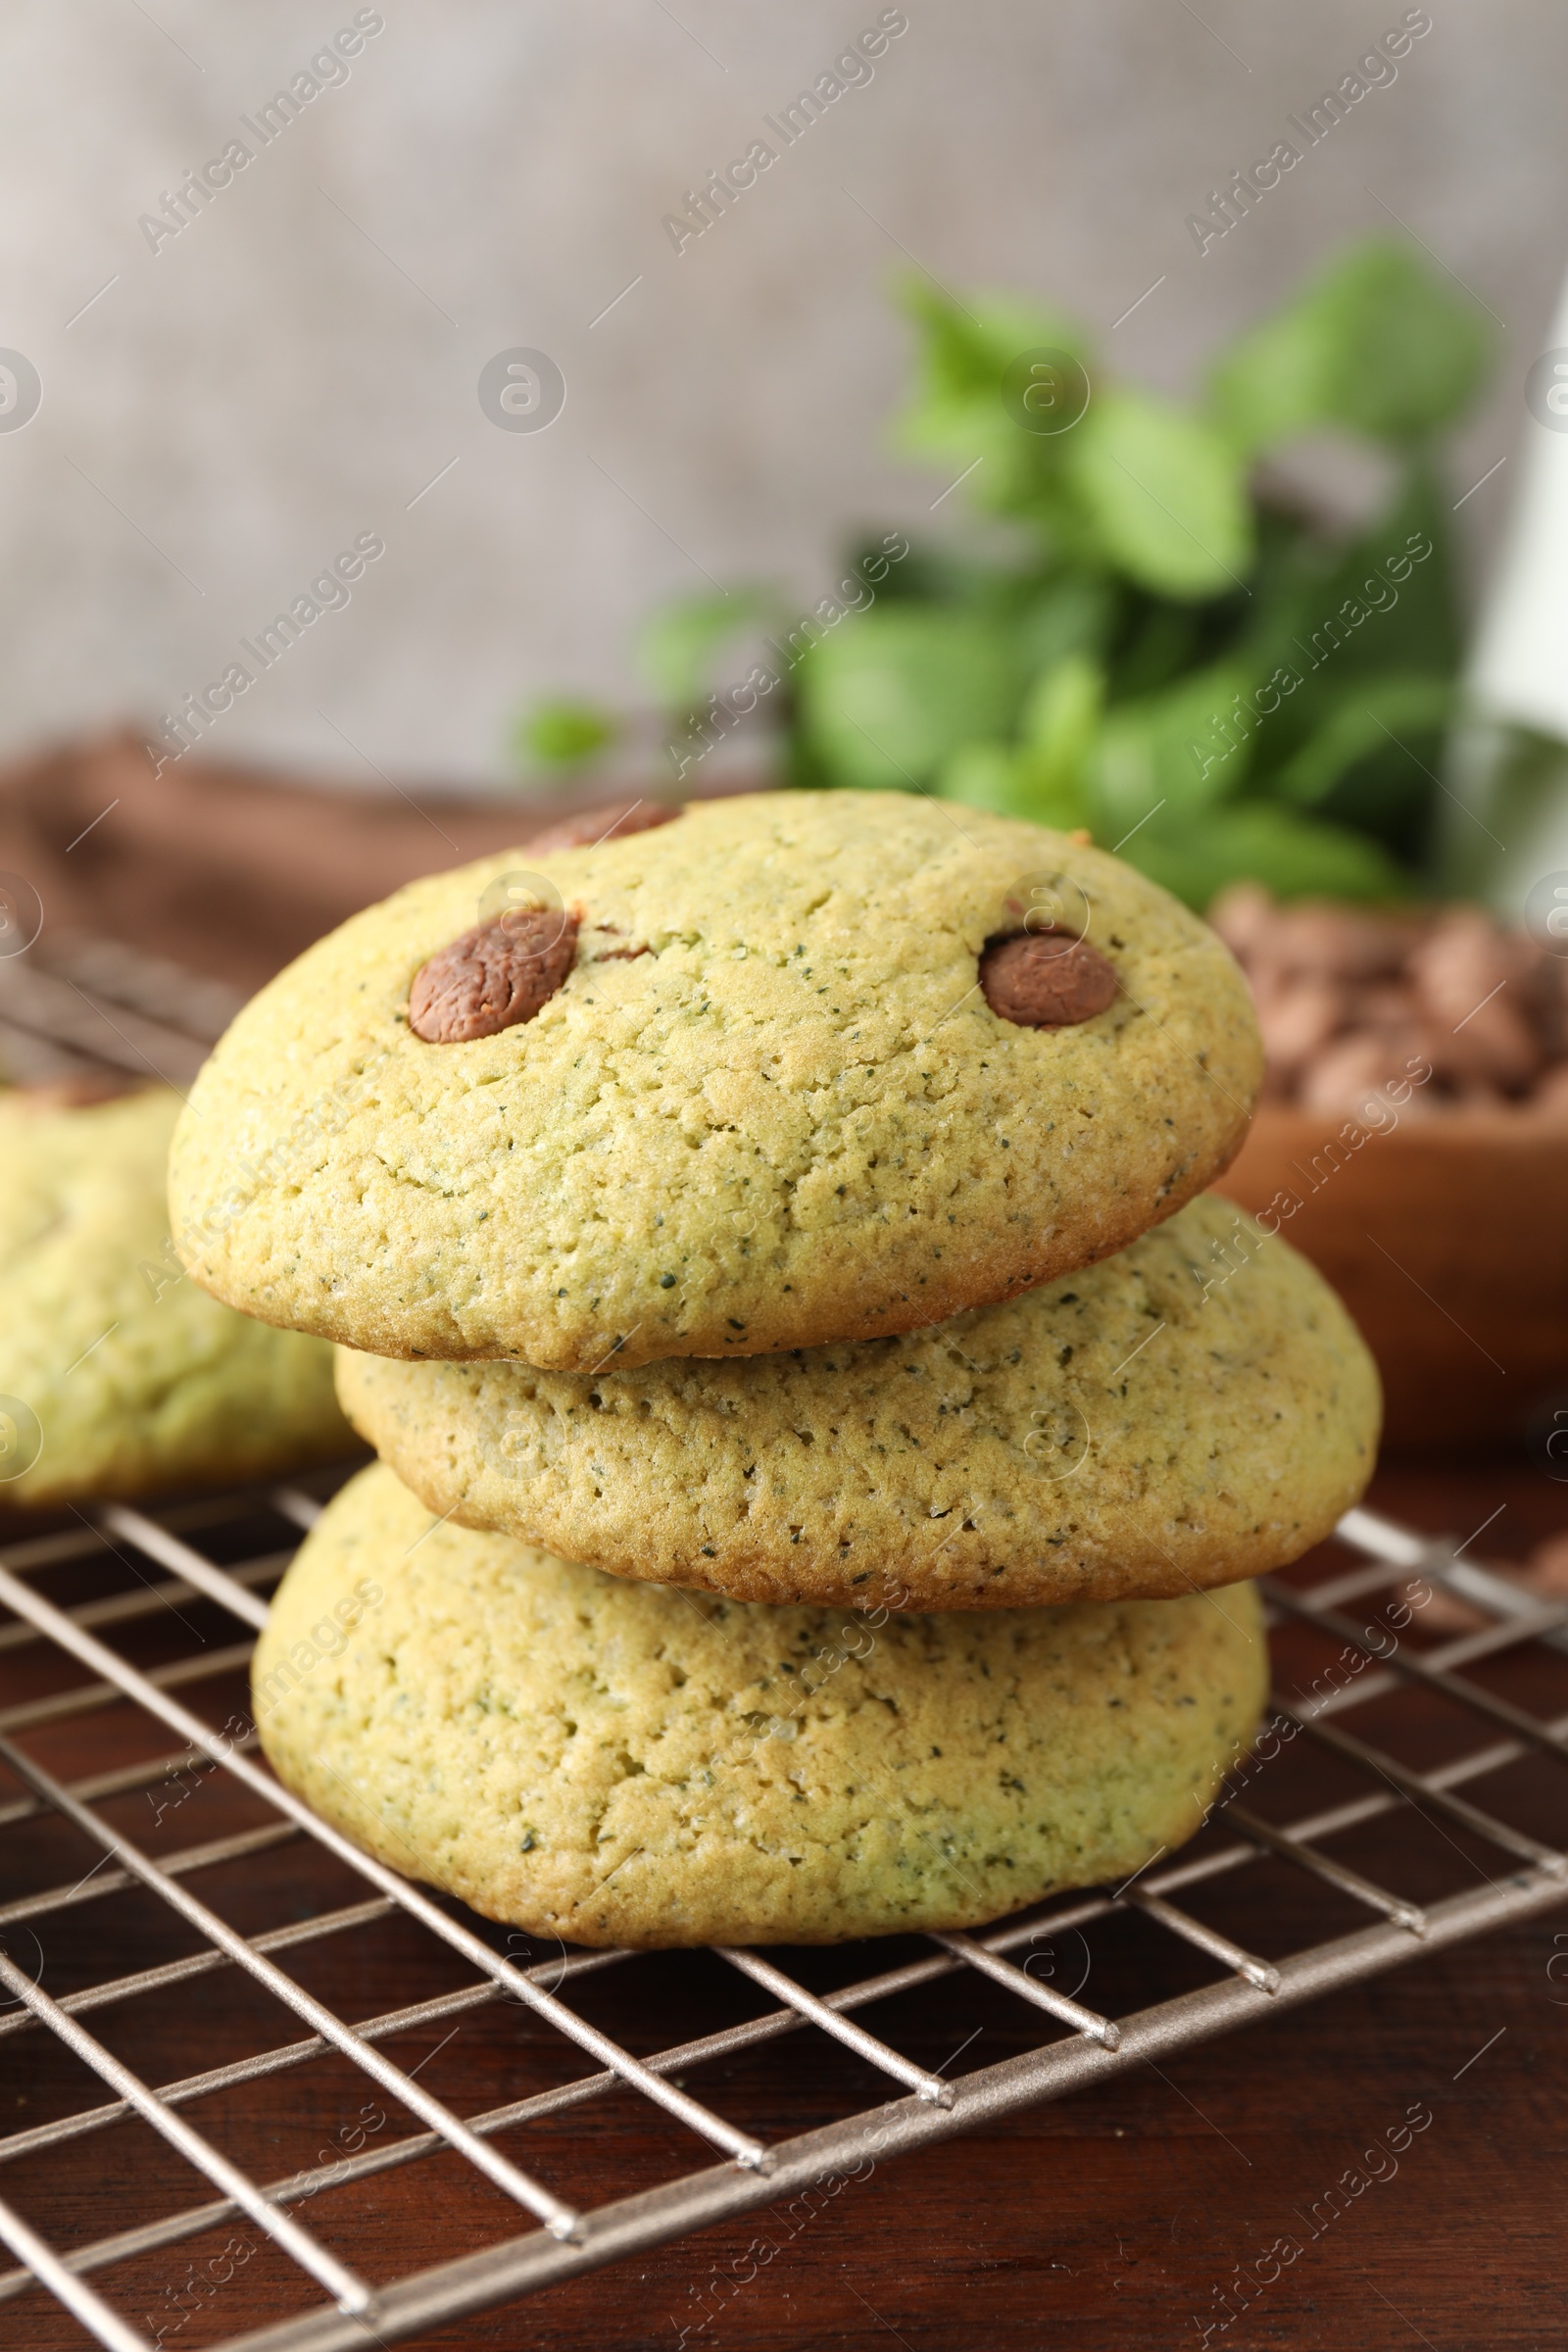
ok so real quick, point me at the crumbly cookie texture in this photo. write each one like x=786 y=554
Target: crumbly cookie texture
x=1199 y=1407
x=768 y=1107
x=137 y=1379
x=615 y=1764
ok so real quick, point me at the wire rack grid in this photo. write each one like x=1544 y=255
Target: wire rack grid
x=156 y=1571
x=75 y=1006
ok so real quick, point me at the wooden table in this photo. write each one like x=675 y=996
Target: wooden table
x=1110 y=2222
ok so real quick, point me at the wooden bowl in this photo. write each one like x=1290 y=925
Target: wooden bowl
x=1448 y=1240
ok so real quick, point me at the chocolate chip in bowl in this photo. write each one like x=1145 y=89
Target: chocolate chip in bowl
x=1349 y=999
x=1413 y=1140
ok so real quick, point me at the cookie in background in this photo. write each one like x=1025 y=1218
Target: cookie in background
x=118 y=1376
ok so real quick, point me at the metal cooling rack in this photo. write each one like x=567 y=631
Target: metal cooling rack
x=76 y=1006
x=711 y=2167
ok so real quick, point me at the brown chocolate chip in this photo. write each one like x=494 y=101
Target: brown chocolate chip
x=493 y=978
x=82 y=1090
x=1043 y=981
x=594 y=825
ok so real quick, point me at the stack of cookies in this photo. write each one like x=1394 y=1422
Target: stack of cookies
x=824 y=1425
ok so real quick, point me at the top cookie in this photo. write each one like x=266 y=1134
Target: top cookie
x=766 y=1100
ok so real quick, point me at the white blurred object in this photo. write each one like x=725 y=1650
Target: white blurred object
x=1510 y=757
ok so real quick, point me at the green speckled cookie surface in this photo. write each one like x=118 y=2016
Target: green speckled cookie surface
x=610 y=1764
x=1196 y=1408
x=770 y=1105
x=135 y=1378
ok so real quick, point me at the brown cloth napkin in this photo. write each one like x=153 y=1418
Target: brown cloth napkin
x=225 y=869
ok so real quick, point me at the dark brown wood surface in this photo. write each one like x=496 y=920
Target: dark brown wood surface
x=233 y=870
x=1105 y=2223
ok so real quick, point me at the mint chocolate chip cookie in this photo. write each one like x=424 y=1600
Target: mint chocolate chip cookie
x=612 y=1764
x=794 y=1067
x=1199 y=1407
x=118 y=1376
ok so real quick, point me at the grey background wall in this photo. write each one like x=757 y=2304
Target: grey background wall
x=299 y=364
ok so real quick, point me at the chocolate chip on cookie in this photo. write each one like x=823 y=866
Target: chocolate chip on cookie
x=591 y=826
x=79 y=1092
x=1043 y=981
x=493 y=978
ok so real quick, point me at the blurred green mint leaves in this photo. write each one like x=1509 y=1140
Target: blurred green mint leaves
x=559 y=736
x=1163 y=643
